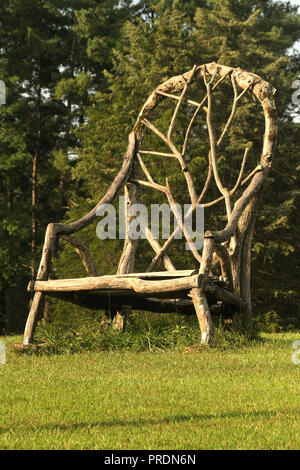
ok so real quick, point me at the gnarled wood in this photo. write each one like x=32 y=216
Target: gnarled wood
x=84 y=253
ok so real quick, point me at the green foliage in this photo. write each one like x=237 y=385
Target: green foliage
x=269 y=322
x=45 y=63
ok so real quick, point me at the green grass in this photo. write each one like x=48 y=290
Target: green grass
x=233 y=398
x=163 y=333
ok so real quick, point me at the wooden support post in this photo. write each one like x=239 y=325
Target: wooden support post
x=42 y=274
x=126 y=264
x=35 y=310
x=198 y=294
x=203 y=314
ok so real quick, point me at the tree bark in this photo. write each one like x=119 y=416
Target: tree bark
x=127 y=260
x=198 y=294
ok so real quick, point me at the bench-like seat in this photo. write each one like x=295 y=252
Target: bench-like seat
x=162 y=292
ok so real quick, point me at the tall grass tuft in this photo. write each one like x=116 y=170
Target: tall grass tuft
x=143 y=333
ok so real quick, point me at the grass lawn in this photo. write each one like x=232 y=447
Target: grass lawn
x=247 y=398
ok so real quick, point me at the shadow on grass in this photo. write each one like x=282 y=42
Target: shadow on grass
x=151 y=422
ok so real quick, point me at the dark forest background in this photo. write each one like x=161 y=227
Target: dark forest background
x=77 y=73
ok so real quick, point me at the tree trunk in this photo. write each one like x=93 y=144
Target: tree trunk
x=35 y=180
x=9 y=320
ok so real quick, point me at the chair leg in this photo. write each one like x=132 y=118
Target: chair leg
x=119 y=320
x=36 y=305
x=203 y=314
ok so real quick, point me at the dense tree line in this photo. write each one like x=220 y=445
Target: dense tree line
x=77 y=73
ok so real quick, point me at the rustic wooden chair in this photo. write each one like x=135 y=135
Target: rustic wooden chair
x=181 y=291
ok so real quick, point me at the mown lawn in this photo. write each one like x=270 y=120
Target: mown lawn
x=247 y=398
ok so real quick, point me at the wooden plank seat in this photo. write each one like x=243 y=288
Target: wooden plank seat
x=162 y=292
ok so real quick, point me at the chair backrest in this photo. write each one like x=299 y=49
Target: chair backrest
x=182 y=123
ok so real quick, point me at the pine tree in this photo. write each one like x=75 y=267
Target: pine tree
x=27 y=63
x=47 y=62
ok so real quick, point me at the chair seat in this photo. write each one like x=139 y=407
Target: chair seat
x=161 y=292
